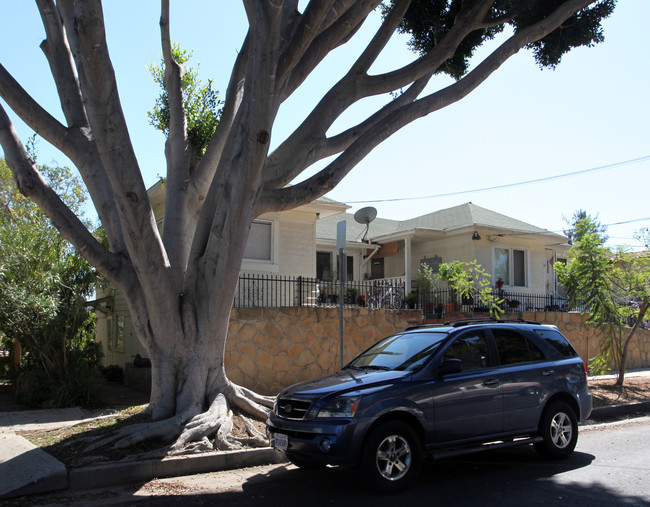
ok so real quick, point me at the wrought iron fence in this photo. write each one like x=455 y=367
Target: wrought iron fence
x=274 y=291
x=444 y=301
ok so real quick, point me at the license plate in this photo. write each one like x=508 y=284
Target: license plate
x=280 y=441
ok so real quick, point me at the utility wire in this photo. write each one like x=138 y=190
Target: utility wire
x=509 y=185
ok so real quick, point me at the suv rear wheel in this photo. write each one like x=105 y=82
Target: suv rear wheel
x=391 y=456
x=559 y=431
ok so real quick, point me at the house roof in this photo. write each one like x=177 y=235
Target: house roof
x=464 y=216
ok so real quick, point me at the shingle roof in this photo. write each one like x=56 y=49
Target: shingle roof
x=464 y=215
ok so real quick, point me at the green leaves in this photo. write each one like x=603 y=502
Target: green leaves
x=200 y=101
x=470 y=280
x=43 y=280
x=430 y=21
x=614 y=288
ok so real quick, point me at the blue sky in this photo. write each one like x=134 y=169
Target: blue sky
x=522 y=124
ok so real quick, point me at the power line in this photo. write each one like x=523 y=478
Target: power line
x=509 y=185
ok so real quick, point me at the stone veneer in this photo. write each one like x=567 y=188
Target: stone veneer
x=271 y=348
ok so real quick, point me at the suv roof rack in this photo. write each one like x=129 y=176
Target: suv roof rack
x=481 y=320
x=476 y=320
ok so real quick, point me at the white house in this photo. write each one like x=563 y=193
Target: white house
x=521 y=254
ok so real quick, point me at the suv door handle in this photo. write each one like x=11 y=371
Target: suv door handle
x=491 y=382
x=548 y=372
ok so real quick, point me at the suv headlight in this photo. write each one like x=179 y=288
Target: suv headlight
x=340 y=407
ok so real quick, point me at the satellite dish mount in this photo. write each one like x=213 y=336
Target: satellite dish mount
x=365 y=216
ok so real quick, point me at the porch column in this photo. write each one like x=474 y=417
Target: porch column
x=407 y=265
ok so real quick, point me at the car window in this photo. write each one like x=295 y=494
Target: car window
x=406 y=351
x=471 y=349
x=513 y=347
x=556 y=340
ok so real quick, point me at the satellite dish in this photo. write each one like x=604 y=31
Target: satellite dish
x=365 y=216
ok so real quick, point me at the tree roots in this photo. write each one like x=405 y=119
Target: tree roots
x=206 y=431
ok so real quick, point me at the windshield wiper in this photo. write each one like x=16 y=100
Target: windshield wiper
x=375 y=367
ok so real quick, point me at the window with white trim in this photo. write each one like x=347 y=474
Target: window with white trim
x=262 y=252
x=259 y=246
x=510 y=265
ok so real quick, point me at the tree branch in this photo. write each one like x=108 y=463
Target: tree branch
x=307 y=30
x=31 y=183
x=325 y=180
x=85 y=28
x=342 y=23
x=352 y=88
x=37 y=118
x=56 y=49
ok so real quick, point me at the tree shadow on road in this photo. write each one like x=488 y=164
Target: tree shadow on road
x=496 y=478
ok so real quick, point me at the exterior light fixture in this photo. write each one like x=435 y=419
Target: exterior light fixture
x=476 y=236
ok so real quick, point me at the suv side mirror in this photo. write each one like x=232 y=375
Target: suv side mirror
x=450 y=366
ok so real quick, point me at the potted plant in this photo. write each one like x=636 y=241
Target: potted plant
x=410 y=300
x=470 y=282
x=426 y=283
x=455 y=276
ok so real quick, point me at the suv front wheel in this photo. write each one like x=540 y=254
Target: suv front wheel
x=391 y=456
x=559 y=431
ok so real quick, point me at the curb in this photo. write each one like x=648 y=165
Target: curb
x=603 y=414
x=110 y=474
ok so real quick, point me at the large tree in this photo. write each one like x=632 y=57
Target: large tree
x=169 y=279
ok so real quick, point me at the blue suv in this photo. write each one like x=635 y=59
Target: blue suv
x=437 y=391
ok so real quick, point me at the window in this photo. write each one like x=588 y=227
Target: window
x=510 y=266
x=324 y=266
x=350 y=268
x=259 y=244
x=559 y=343
x=471 y=349
x=377 y=269
x=115 y=332
x=514 y=348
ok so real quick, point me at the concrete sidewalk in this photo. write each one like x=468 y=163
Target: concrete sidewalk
x=25 y=469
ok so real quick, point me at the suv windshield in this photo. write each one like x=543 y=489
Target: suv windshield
x=400 y=352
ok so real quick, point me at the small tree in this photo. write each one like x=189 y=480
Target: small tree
x=614 y=289
x=43 y=285
x=470 y=280
x=200 y=102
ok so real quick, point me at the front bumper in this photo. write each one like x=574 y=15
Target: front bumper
x=328 y=441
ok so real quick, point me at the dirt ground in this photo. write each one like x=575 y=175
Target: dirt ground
x=605 y=391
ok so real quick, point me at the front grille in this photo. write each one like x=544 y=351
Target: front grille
x=291 y=408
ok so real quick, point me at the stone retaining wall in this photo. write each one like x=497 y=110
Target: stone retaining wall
x=587 y=340
x=271 y=348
